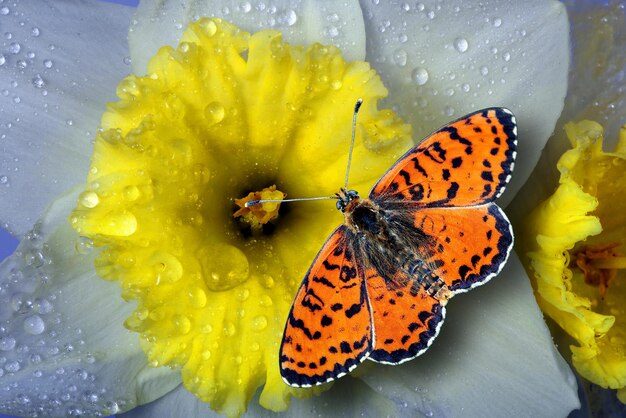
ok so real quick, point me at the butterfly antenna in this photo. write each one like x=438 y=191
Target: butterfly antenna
x=301 y=199
x=357 y=106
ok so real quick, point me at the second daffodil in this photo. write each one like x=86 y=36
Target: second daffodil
x=576 y=244
x=224 y=116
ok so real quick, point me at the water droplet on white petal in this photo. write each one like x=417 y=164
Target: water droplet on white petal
x=15 y=48
x=461 y=45
x=400 y=57
x=34 y=325
x=420 y=76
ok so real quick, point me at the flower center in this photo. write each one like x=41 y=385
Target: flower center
x=599 y=264
x=255 y=217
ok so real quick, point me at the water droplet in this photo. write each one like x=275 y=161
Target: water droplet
x=245 y=7
x=206 y=354
x=34 y=325
x=131 y=193
x=38 y=81
x=448 y=110
x=332 y=31
x=127 y=60
x=48 y=63
x=497 y=22
x=229 y=329
x=89 y=199
x=42 y=306
x=400 y=57
x=214 y=112
x=15 y=48
x=449 y=91
x=287 y=18
x=4 y=180
x=3 y=60
x=420 y=76
x=35 y=32
x=231 y=270
x=209 y=27
x=34 y=258
x=197 y=297
x=461 y=45
x=7 y=343
x=430 y=14
x=506 y=56
x=259 y=323
x=465 y=87
x=83 y=245
x=4 y=11
x=182 y=324
x=484 y=70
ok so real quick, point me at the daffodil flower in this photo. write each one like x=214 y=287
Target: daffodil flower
x=571 y=220
x=152 y=210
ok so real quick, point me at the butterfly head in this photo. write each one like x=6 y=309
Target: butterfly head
x=345 y=197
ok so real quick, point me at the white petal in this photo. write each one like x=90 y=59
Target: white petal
x=70 y=55
x=161 y=23
x=441 y=60
x=348 y=397
x=62 y=338
x=494 y=357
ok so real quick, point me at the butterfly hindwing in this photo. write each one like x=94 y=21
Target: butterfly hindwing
x=468 y=246
x=465 y=163
x=329 y=330
x=407 y=318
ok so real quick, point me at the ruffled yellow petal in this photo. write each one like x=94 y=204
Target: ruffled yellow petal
x=587 y=211
x=224 y=114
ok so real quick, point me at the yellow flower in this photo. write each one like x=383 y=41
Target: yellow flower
x=583 y=224
x=225 y=113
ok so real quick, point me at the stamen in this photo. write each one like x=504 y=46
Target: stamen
x=599 y=264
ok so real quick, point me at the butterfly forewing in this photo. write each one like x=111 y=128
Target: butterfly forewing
x=465 y=163
x=329 y=330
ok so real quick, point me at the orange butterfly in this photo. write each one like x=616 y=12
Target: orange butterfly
x=378 y=287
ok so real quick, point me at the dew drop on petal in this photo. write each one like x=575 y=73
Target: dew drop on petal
x=214 y=112
x=497 y=22
x=89 y=199
x=4 y=180
x=34 y=325
x=7 y=343
x=400 y=57
x=506 y=56
x=48 y=63
x=38 y=81
x=420 y=76
x=15 y=48
x=259 y=323
x=461 y=45
x=229 y=329
x=484 y=70
x=3 y=60
x=197 y=297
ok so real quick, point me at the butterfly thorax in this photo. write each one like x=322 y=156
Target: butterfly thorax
x=391 y=244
